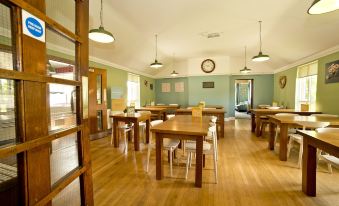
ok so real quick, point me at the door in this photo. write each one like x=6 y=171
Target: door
x=97 y=102
x=243 y=97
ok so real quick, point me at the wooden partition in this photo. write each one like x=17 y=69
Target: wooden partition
x=35 y=142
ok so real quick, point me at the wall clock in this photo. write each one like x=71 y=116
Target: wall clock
x=282 y=81
x=208 y=66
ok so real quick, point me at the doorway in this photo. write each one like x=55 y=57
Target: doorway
x=243 y=98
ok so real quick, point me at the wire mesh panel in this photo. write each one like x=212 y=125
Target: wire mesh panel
x=62 y=11
x=69 y=196
x=60 y=56
x=9 y=181
x=6 y=44
x=62 y=101
x=7 y=112
x=64 y=157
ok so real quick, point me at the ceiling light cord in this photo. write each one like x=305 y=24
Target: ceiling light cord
x=101 y=14
x=245 y=55
x=156 y=46
x=260 y=35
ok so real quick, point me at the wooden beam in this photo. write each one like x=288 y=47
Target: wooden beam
x=28 y=76
x=31 y=144
x=62 y=184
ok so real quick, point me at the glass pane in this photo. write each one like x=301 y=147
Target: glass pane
x=99 y=89
x=62 y=11
x=69 y=196
x=9 y=187
x=99 y=120
x=7 y=112
x=64 y=156
x=62 y=101
x=6 y=44
x=60 y=56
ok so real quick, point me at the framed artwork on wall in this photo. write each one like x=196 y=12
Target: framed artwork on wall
x=179 y=87
x=166 y=87
x=208 y=85
x=332 y=72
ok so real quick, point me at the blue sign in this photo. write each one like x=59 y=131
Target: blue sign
x=34 y=27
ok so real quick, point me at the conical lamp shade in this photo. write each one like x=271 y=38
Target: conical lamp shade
x=323 y=6
x=101 y=35
x=156 y=64
x=260 y=57
x=245 y=70
x=174 y=73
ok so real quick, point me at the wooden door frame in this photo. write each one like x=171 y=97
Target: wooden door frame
x=31 y=83
x=252 y=89
x=94 y=107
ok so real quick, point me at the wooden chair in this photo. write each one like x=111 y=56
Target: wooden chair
x=208 y=149
x=329 y=159
x=299 y=139
x=168 y=144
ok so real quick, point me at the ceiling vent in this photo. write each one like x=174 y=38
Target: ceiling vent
x=213 y=35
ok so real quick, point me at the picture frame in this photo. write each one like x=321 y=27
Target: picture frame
x=208 y=85
x=332 y=72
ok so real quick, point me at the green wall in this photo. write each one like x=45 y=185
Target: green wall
x=223 y=92
x=219 y=95
x=172 y=97
x=327 y=94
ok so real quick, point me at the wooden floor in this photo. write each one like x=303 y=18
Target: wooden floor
x=249 y=174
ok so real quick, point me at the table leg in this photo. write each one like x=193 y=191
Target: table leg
x=272 y=135
x=283 y=142
x=164 y=116
x=158 y=148
x=309 y=168
x=136 y=136
x=114 y=133
x=198 y=164
x=252 y=122
x=257 y=126
x=147 y=130
x=222 y=125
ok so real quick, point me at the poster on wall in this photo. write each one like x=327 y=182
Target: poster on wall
x=179 y=87
x=166 y=87
x=32 y=26
x=332 y=72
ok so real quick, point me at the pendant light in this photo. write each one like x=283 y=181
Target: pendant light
x=245 y=70
x=174 y=73
x=156 y=64
x=260 y=57
x=101 y=35
x=323 y=6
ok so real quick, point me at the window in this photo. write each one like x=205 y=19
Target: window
x=306 y=87
x=133 y=90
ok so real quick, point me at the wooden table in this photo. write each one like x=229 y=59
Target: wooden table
x=136 y=118
x=284 y=122
x=220 y=113
x=257 y=113
x=326 y=141
x=182 y=127
x=159 y=112
x=210 y=106
x=164 y=106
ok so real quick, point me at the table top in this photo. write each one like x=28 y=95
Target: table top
x=210 y=106
x=131 y=116
x=152 y=109
x=331 y=138
x=205 y=110
x=274 y=111
x=184 y=124
x=334 y=121
x=163 y=106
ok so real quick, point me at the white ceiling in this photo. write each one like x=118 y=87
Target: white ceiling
x=288 y=32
